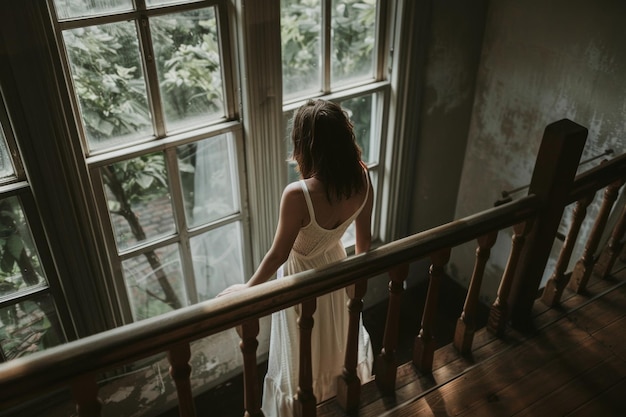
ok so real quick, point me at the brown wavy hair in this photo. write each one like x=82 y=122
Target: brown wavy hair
x=324 y=147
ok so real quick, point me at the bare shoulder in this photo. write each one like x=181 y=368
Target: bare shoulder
x=293 y=195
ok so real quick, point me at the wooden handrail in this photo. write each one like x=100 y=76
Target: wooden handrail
x=74 y=364
x=43 y=371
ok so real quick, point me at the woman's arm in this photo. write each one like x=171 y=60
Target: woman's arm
x=292 y=214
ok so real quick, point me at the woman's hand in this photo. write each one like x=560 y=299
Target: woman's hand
x=232 y=289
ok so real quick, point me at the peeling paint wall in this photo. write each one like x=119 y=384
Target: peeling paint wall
x=541 y=62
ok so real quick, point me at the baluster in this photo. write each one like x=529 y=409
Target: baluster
x=248 y=332
x=305 y=404
x=557 y=282
x=584 y=266
x=466 y=325
x=348 y=383
x=180 y=371
x=85 y=393
x=424 y=348
x=386 y=365
x=498 y=312
x=614 y=247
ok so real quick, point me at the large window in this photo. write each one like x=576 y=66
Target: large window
x=152 y=87
x=335 y=49
x=163 y=141
x=29 y=318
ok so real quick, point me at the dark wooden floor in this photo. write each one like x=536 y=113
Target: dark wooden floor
x=573 y=363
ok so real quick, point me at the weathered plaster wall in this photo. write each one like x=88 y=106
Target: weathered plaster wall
x=541 y=62
x=452 y=57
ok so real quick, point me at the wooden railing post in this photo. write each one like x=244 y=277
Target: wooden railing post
x=424 y=348
x=180 y=371
x=386 y=365
x=613 y=248
x=558 y=280
x=305 y=404
x=248 y=332
x=555 y=169
x=466 y=325
x=584 y=266
x=498 y=313
x=85 y=393
x=348 y=383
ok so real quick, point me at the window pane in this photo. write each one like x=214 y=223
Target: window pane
x=67 y=9
x=360 y=111
x=109 y=83
x=155 y=282
x=209 y=179
x=138 y=199
x=187 y=53
x=353 y=39
x=29 y=326
x=301 y=49
x=20 y=266
x=217 y=260
x=153 y=3
x=6 y=165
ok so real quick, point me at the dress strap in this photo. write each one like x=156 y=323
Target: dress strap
x=307 y=197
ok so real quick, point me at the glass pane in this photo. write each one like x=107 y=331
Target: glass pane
x=6 y=164
x=138 y=199
x=301 y=23
x=353 y=39
x=68 y=9
x=155 y=282
x=359 y=110
x=187 y=53
x=20 y=266
x=109 y=83
x=209 y=179
x=155 y=3
x=217 y=260
x=29 y=326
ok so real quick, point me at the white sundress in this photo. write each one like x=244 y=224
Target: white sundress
x=314 y=247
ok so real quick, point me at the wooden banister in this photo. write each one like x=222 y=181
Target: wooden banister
x=180 y=371
x=614 y=247
x=348 y=383
x=386 y=365
x=533 y=218
x=248 y=332
x=498 y=313
x=552 y=180
x=305 y=398
x=466 y=325
x=558 y=280
x=584 y=266
x=424 y=348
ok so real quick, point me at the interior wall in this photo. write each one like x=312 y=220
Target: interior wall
x=541 y=62
x=452 y=58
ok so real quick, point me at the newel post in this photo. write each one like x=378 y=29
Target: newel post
x=555 y=169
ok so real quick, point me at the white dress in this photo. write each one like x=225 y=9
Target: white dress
x=314 y=247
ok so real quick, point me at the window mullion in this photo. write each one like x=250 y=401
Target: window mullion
x=181 y=225
x=152 y=79
x=326 y=45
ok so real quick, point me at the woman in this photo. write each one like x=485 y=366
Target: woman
x=335 y=191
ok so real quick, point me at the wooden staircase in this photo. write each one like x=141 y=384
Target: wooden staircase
x=572 y=363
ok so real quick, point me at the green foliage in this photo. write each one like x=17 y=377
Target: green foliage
x=108 y=80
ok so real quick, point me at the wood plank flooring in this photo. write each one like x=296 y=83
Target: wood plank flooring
x=574 y=363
